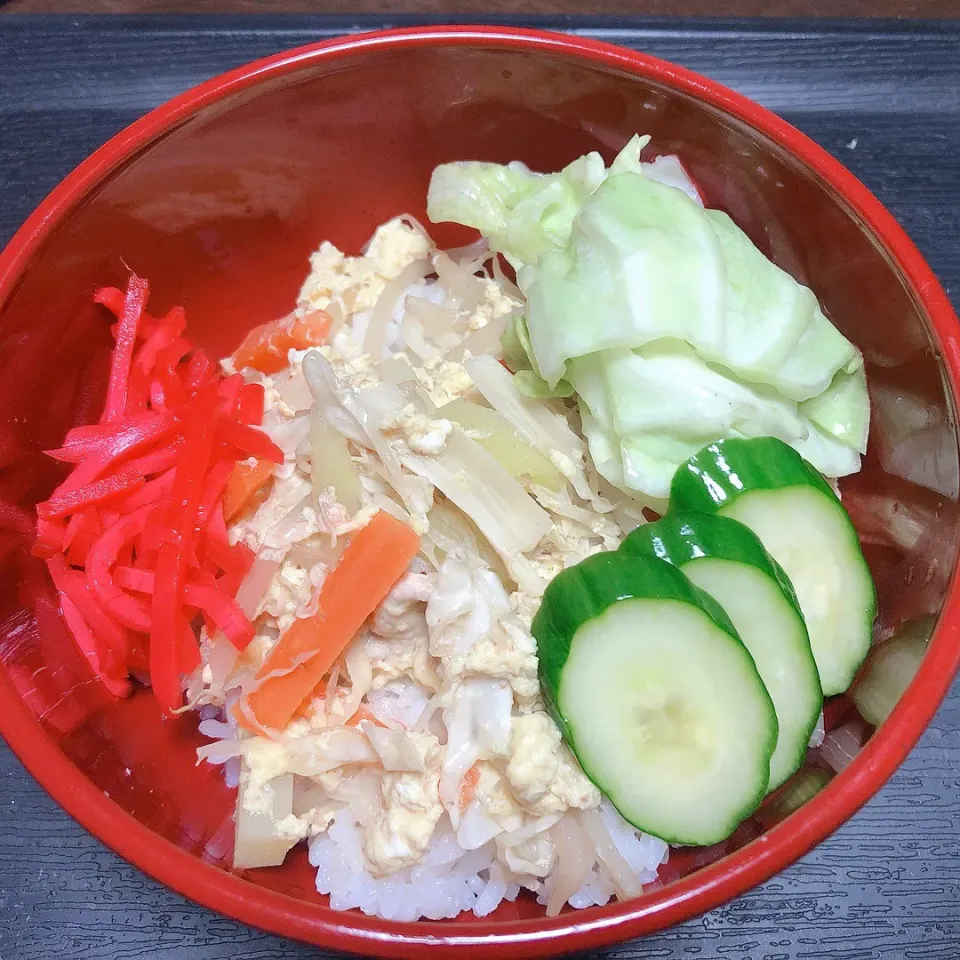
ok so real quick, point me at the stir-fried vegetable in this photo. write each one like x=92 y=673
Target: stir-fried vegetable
x=376 y=557
x=331 y=466
x=499 y=439
x=245 y=483
x=265 y=347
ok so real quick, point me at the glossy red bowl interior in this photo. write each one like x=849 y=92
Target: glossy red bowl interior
x=219 y=196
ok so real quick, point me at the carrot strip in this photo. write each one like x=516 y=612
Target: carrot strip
x=265 y=347
x=468 y=786
x=376 y=557
x=363 y=713
x=242 y=484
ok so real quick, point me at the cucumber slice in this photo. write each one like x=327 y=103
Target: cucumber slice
x=770 y=488
x=728 y=561
x=656 y=695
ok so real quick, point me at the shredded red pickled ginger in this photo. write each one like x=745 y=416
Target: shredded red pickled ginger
x=135 y=537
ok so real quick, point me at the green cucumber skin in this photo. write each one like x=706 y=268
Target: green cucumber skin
x=686 y=535
x=713 y=478
x=585 y=590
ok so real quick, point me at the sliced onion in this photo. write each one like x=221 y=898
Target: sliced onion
x=477 y=251
x=331 y=690
x=528 y=831
x=503 y=511
x=416 y=342
x=360 y=671
x=315 y=549
x=453 y=532
x=395 y=370
x=432 y=317
x=394 y=747
x=294 y=391
x=575 y=859
x=466 y=290
x=288 y=434
x=840 y=746
x=482 y=342
x=255 y=585
x=375 y=340
x=623 y=877
x=328 y=750
x=331 y=466
x=296 y=525
x=369 y=407
x=220 y=751
x=889 y=669
x=323 y=386
x=476 y=828
x=492 y=893
x=362 y=793
x=508 y=286
x=534 y=420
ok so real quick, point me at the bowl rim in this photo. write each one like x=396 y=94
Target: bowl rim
x=579 y=930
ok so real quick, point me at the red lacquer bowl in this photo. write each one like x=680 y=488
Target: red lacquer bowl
x=219 y=196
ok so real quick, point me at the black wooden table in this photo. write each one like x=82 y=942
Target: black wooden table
x=884 y=97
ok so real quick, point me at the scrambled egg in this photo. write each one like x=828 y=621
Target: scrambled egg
x=496 y=303
x=421 y=434
x=494 y=796
x=444 y=381
x=541 y=771
x=265 y=760
x=508 y=653
x=353 y=284
x=409 y=810
x=292 y=594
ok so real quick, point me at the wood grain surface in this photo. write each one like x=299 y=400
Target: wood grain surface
x=621 y=8
x=885 y=100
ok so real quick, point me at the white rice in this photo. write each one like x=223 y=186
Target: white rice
x=451 y=880
x=446 y=883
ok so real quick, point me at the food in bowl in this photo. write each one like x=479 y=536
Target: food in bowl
x=481 y=585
